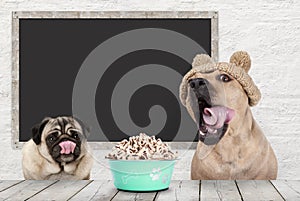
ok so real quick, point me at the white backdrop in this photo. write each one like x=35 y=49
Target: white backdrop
x=269 y=30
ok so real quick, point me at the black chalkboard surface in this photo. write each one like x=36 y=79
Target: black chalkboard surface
x=120 y=76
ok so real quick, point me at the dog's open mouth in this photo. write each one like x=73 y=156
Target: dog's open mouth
x=213 y=122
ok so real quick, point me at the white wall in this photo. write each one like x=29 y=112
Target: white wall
x=268 y=29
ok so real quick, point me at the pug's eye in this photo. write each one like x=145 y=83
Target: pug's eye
x=75 y=135
x=51 y=138
x=224 y=78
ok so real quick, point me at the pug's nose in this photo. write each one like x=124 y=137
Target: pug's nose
x=197 y=82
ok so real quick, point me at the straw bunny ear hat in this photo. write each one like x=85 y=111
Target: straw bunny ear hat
x=238 y=68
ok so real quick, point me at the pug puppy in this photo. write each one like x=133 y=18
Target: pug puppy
x=218 y=96
x=58 y=150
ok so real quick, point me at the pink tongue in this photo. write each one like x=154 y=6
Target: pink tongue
x=67 y=147
x=217 y=116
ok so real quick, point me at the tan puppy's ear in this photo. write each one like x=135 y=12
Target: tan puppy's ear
x=201 y=59
x=242 y=59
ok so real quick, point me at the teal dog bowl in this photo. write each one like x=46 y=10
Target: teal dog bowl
x=142 y=175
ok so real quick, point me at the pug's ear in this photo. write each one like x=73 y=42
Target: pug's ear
x=37 y=131
x=242 y=59
x=201 y=59
x=84 y=127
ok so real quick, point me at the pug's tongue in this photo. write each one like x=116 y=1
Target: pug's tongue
x=217 y=116
x=67 y=147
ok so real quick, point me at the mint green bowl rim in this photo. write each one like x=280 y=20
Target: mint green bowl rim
x=140 y=161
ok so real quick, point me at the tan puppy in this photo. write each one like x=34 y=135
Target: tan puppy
x=58 y=150
x=231 y=145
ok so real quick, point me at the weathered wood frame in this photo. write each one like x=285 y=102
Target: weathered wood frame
x=95 y=14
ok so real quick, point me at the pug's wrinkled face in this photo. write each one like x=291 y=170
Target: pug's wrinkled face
x=214 y=100
x=60 y=138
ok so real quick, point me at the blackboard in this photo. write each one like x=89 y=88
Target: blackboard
x=120 y=75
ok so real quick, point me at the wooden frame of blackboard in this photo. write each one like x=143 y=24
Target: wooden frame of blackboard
x=17 y=15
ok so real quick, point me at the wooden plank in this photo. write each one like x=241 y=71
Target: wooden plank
x=62 y=190
x=180 y=190
x=258 y=190
x=97 y=190
x=290 y=190
x=24 y=190
x=128 y=196
x=4 y=184
x=219 y=190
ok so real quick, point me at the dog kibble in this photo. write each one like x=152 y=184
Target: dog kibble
x=141 y=147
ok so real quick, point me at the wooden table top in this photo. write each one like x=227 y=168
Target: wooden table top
x=178 y=190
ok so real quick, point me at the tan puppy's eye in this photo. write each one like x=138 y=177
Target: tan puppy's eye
x=224 y=78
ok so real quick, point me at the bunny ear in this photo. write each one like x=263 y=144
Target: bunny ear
x=242 y=59
x=201 y=59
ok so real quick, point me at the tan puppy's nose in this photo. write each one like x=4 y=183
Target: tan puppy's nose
x=197 y=82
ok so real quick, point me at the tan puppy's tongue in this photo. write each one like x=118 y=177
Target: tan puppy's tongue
x=217 y=116
x=67 y=147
